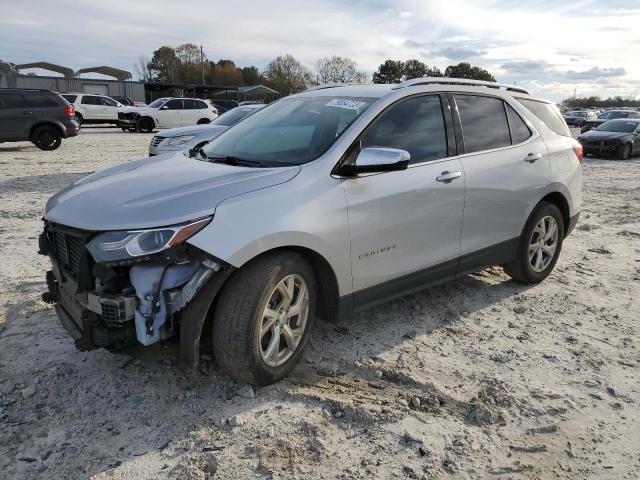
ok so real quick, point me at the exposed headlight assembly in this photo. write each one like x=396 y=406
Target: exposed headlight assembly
x=180 y=140
x=127 y=244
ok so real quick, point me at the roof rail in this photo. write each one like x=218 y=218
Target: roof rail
x=459 y=81
x=324 y=86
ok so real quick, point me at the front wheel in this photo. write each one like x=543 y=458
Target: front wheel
x=623 y=152
x=145 y=125
x=204 y=121
x=539 y=245
x=263 y=318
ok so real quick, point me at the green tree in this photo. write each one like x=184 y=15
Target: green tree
x=465 y=70
x=287 y=75
x=390 y=71
x=250 y=75
x=164 y=65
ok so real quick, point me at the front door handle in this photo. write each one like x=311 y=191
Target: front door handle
x=448 y=177
x=532 y=157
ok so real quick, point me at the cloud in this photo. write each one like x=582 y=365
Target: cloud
x=460 y=53
x=526 y=66
x=595 y=73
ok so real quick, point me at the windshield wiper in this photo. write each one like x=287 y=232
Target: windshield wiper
x=231 y=160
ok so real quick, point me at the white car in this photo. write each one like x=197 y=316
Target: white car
x=94 y=108
x=167 y=113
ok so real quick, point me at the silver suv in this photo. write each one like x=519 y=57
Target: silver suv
x=322 y=204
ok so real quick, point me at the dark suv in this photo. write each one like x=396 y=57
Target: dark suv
x=40 y=116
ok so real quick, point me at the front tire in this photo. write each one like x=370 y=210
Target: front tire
x=263 y=318
x=204 y=121
x=623 y=152
x=46 y=137
x=145 y=125
x=539 y=245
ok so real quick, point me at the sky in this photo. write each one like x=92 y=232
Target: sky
x=552 y=47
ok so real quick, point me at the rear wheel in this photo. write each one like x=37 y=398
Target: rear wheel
x=46 y=137
x=539 y=245
x=623 y=152
x=263 y=318
x=145 y=125
x=203 y=121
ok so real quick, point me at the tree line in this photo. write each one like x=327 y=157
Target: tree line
x=615 y=102
x=187 y=63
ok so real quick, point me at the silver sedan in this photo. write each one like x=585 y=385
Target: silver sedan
x=178 y=139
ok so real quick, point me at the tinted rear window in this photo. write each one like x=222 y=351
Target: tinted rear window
x=70 y=98
x=91 y=100
x=11 y=100
x=548 y=114
x=41 y=100
x=484 y=123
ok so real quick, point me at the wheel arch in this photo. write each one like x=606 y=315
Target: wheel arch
x=559 y=200
x=45 y=123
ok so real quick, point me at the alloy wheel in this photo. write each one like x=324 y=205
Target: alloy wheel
x=283 y=320
x=543 y=243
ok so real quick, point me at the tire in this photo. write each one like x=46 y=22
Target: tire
x=46 y=137
x=523 y=267
x=124 y=129
x=145 y=125
x=78 y=118
x=203 y=121
x=623 y=152
x=239 y=348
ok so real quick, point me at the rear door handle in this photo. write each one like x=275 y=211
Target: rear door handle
x=448 y=177
x=532 y=157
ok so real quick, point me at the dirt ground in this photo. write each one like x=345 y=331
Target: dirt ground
x=478 y=378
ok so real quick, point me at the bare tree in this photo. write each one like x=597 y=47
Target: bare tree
x=143 y=68
x=339 y=70
x=287 y=75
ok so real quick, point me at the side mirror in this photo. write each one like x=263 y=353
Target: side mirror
x=377 y=159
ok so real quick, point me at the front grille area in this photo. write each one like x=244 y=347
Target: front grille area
x=71 y=305
x=127 y=115
x=68 y=247
x=155 y=141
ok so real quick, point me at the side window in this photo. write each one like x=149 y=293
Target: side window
x=174 y=104
x=548 y=114
x=11 y=100
x=91 y=100
x=70 y=98
x=40 y=100
x=519 y=130
x=108 y=102
x=189 y=104
x=484 y=123
x=199 y=105
x=415 y=125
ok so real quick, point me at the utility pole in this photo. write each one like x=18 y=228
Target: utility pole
x=202 y=61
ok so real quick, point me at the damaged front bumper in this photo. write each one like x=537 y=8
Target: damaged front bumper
x=127 y=304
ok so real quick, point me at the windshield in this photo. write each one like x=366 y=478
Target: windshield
x=292 y=131
x=621 y=126
x=232 y=117
x=157 y=103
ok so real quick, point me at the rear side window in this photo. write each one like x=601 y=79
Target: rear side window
x=108 y=102
x=199 y=105
x=519 y=130
x=415 y=125
x=91 y=100
x=41 y=100
x=548 y=114
x=70 y=98
x=11 y=100
x=484 y=123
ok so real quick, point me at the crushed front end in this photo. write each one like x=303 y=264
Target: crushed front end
x=116 y=290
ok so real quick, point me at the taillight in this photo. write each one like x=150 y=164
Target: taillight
x=69 y=111
x=579 y=151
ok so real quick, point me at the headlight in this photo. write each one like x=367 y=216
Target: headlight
x=123 y=245
x=180 y=140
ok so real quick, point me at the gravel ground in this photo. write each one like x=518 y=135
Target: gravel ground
x=478 y=378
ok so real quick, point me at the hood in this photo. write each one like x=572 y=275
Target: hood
x=215 y=130
x=599 y=135
x=154 y=192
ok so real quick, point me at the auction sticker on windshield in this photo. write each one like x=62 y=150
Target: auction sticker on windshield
x=346 y=103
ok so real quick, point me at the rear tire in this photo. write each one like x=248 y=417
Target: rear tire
x=538 y=247
x=258 y=334
x=46 y=137
x=623 y=152
x=145 y=125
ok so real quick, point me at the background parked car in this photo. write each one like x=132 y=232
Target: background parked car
x=615 y=137
x=167 y=112
x=576 y=119
x=39 y=116
x=606 y=116
x=196 y=137
x=224 y=105
x=94 y=108
x=127 y=102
